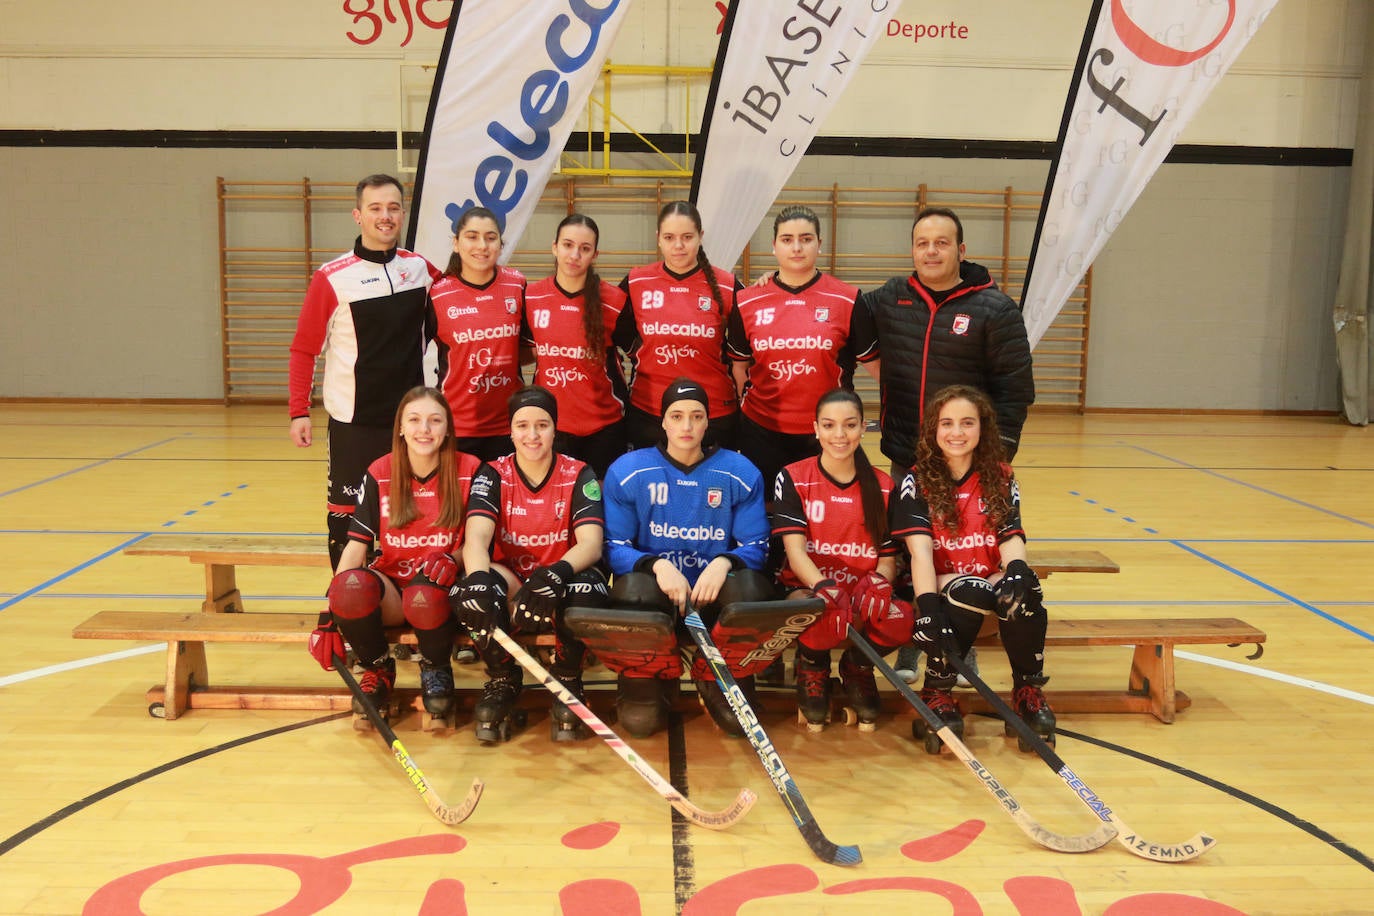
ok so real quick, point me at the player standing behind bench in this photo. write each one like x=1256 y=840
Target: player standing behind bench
x=476 y=308
x=959 y=512
x=683 y=521
x=569 y=318
x=411 y=506
x=674 y=326
x=831 y=512
x=534 y=531
x=365 y=310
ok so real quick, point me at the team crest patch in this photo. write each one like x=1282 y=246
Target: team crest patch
x=512 y=305
x=591 y=489
x=822 y=314
x=704 y=303
x=960 y=324
x=714 y=497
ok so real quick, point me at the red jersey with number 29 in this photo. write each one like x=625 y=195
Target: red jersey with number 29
x=403 y=548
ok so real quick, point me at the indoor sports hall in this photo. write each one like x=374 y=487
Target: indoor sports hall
x=1197 y=487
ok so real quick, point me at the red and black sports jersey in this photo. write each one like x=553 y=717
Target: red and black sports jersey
x=799 y=340
x=365 y=310
x=534 y=523
x=402 y=549
x=673 y=327
x=591 y=395
x=478 y=335
x=809 y=502
x=974 y=548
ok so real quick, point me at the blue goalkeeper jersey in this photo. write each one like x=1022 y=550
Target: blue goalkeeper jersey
x=656 y=507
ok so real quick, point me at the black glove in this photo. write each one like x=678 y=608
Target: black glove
x=930 y=627
x=540 y=597
x=477 y=601
x=1017 y=585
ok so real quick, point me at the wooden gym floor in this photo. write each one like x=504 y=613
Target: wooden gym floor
x=107 y=810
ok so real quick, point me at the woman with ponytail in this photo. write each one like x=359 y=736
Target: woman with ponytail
x=831 y=513
x=674 y=326
x=568 y=322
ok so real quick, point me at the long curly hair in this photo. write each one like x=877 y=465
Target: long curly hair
x=989 y=460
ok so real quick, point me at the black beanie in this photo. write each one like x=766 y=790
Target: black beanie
x=533 y=396
x=683 y=389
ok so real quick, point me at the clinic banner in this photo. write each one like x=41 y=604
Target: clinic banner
x=1143 y=72
x=779 y=70
x=513 y=77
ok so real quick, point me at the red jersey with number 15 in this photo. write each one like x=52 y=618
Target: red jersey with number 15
x=591 y=395
x=672 y=327
x=403 y=548
x=478 y=335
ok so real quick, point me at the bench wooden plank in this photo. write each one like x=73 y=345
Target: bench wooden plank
x=221 y=553
x=1045 y=561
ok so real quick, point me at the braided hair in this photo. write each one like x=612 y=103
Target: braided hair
x=688 y=209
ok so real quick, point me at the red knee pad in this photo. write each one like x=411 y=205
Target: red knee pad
x=355 y=593
x=893 y=626
x=821 y=636
x=425 y=606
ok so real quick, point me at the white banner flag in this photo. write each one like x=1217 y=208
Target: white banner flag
x=513 y=78
x=781 y=67
x=1144 y=71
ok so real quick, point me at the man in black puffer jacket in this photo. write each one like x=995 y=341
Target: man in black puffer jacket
x=946 y=324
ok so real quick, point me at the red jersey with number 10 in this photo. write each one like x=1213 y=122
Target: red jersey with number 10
x=478 y=335
x=591 y=395
x=672 y=327
x=830 y=515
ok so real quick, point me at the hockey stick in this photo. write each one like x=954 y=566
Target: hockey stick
x=1029 y=825
x=446 y=814
x=1177 y=852
x=715 y=820
x=824 y=849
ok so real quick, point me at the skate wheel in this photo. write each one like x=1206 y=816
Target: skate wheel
x=157 y=711
x=932 y=743
x=868 y=726
x=851 y=717
x=402 y=653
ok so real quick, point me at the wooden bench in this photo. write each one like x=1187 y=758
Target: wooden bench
x=1150 y=686
x=220 y=554
x=187 y=681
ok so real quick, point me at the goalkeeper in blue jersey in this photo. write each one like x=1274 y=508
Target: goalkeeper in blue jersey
x=683 y=521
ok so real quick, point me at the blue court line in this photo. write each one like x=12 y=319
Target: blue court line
x=1275 y=591
x=269 y=534
x=1282 y=496
x=86 y=467
x=69 y=573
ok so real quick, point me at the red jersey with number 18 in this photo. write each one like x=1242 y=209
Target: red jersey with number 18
x=591 y=395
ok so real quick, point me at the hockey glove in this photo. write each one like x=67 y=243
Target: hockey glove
x=869 y=597
x=930 y=627
x=326 y=642
x=439 y=568
x=540 y=597
x=477 y=603
x=835 y=618
x=1017 y=586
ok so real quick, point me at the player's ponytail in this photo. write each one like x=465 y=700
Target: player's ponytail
x=593 y=319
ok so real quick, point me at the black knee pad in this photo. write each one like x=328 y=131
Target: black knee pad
x=972 y=593
x=588 y=589
x=640 y=591
x=746 y=585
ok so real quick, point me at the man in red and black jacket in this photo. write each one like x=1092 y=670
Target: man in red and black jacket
x=947 y=323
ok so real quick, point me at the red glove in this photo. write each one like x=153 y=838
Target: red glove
x=870 y=596
x=835 y=619
x=439 y=568
x=326 y=642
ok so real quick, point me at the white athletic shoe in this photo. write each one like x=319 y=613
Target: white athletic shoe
x=908 y=666
x=972 y=661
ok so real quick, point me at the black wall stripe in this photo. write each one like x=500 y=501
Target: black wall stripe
x=892 y=147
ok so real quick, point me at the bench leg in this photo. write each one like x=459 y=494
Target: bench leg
x=221 y=590
x=186 y=669
x=1152 y=675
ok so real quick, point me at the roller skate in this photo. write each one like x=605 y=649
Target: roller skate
x=941 y=702
x=641 y=706
x=861 y=693
x=1030 y=704
x=813 y=692
x=437 y=706
x=564 y=725
x=496 y=715
x=376 y=683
